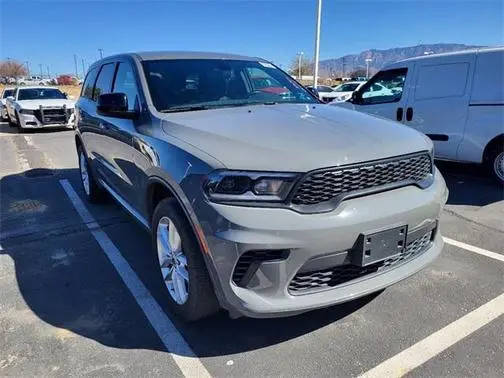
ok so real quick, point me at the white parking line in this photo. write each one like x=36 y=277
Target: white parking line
x=474 y=249
x=439 y=341
x=174 y=342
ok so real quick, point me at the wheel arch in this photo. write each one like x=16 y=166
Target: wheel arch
x=158 y=189
x=489 y=148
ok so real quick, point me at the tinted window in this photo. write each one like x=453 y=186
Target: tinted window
x=219 y=83
x=125 y=83
x=392 y=83
x=442 y=80
x=488 y=85
x=8 y=92
x=87 y=87
x=347 y=87
x=322 y=88
x=40 y=94
x=104 y=82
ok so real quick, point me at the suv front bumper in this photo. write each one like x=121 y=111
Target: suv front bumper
x=231 y=231
x=31 y=121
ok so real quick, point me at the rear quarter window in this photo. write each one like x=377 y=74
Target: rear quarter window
x=488 y=84
x=441 y=80
x=87 y=87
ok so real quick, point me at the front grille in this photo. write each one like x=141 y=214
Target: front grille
x=327 y=184
x=249 y=262
x=52 y=115
x=331 y=277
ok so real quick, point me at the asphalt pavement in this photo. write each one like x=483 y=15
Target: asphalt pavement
x=67 y=307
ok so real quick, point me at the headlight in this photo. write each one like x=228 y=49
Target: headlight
x=236 y=186
x=26 y=111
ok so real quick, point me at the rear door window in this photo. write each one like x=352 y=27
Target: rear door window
x=441 y=81
x=104 y=82
x=87 y=87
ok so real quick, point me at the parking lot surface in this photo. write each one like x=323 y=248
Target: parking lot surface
x=80 y=294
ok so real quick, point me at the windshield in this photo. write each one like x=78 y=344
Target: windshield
x=196 y=84
x=347 y=87
x=8 y=92
x=40 y=94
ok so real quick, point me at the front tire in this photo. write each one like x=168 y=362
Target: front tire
x=94 y=193
x=182 y=267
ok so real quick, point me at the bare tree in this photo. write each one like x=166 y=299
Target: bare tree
x=306 y=66
x=11 y=68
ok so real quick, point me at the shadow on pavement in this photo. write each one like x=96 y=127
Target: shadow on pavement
x=470 y=184
x=67 y=281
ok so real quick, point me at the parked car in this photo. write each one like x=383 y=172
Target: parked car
x=3 y=110
x=324 y=92
x=345 y=90
x=40 y=107
x=457 y=99
x=262 y=203
x=32 y=80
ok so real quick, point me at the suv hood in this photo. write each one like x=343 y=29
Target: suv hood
x=35 y=104
x=292 y=137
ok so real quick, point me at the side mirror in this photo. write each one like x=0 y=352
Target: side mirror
x=115 y=105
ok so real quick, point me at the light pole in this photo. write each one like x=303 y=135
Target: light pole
x=76 y=70
x=300 y=58
x=83 y=69
x=368 y=60
x=101 y=53
x=317 y=44
x=48 y=73
x=41 y=72
x=27 y=67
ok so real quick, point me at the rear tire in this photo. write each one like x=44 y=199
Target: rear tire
x=183 y=271
x=94 y=193
x=496 y=163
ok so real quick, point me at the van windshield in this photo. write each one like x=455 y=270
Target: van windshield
x=197 y=84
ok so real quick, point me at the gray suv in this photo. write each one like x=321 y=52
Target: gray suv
x=259 y=198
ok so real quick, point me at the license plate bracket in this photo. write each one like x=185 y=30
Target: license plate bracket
x=378 y=246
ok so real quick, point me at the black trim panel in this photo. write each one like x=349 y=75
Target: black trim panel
x=438 y=137
x=489 y=104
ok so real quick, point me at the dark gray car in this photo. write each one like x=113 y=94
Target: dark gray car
x=260 y=199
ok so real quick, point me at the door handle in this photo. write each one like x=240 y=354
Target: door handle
x=399 y=114
x=409 y=114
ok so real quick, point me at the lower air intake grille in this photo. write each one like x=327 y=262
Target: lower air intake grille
x=322 y=279
x=249 y=262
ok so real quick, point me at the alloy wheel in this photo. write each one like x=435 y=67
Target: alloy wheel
x=172 y=260
x=84 y=172
x=499 y=166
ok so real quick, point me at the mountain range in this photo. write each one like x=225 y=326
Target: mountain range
x=347 y=64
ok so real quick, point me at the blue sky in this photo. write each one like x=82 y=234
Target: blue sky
x=50 y=32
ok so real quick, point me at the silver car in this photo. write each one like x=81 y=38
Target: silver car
x=260 y=199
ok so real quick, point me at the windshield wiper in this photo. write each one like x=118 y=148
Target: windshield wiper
x=184 y=109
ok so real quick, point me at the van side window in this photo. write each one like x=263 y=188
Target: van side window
x=488 y=84
x=125 y=83
x=441 y=80
x=385 y=86
x=87 y=87
x=104 y=82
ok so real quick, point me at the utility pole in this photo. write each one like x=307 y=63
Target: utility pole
x=41 y=72
x=75 y=61
x=343 y=74
x=317 y=44
x=83 y=68
x=101 y=53
x=300 y=58
x=27 y=67
x=48 y=73
x=368 y=60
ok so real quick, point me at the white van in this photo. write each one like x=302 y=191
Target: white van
x=457 y=99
